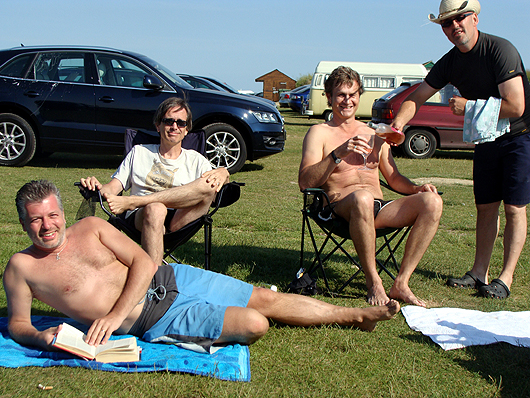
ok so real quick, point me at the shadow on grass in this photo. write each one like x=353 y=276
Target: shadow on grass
x=77 y=161
x=273 y=266
x=501 y=364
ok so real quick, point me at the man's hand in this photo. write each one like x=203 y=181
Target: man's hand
x=458 y=105
x=101 y=330
x=427 y=188
x=217 y=178
x=358 y=144
x=91 y=183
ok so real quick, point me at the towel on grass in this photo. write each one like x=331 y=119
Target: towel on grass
x=229 y=363
x=453 y=328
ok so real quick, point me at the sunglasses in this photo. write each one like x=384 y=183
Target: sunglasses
x=168 y=121
x=449 y=22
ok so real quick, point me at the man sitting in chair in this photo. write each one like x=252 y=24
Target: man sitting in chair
x=96 y=275
x=170 y=186
x=332 y=159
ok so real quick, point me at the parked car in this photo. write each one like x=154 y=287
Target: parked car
x=297 y=99
x=230 y=89
x=199 y=82
x=285 y=96
x=82 y=99
x=434 y=125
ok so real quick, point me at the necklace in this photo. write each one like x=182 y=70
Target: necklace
x=57 y=255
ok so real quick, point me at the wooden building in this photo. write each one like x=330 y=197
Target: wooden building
x=275 y=82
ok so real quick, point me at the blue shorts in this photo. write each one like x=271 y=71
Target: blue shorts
x=501 y=171
x=195 y=318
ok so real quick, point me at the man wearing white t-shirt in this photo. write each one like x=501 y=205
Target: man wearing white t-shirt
x=170 y=185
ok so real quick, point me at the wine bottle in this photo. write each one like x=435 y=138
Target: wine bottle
x=387 y=132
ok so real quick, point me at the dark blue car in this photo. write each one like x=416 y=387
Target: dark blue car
x=297 y=99
x=82 y=99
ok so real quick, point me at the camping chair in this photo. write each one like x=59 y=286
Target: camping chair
x=228 y=195
x=336 y=233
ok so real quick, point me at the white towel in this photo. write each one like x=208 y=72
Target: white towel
x=453 y=328
x=481 y=121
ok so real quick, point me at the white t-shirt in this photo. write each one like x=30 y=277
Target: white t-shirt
x=144 y=171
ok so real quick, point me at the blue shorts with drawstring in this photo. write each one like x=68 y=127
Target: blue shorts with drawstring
x=194 y=320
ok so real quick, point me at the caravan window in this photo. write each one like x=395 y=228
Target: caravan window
x=379 y=82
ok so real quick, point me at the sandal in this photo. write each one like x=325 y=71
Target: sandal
x=496 y=289
x=467 y=281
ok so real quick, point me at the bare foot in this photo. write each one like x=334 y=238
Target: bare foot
x=371 y=315
x=376 y=295
x=119 y=204
x=405 y=295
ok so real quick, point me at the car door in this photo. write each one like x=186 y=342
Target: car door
x=122 y=101
x=61 y=89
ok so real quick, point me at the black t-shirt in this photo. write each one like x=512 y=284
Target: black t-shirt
x=477 y=73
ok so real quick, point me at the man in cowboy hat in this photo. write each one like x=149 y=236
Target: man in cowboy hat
x=483 y=68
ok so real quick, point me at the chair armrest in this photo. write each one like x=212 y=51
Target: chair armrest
x=94 y=196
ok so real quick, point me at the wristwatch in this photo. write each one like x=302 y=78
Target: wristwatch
x=335 y=157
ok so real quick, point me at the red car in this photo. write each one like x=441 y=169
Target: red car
x=433 y=127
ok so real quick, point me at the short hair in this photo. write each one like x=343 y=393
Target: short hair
x=172 y=102
x=342 y=75
x=35 y=192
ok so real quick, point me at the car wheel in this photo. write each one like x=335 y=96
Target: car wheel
x=17 y=140
x=328 y=115
x=419 y=144
x=225 y=147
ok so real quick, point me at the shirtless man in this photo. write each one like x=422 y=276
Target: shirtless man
x=169 y=186
x=96 y=275
x=331 y=159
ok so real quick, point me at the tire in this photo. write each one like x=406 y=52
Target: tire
x=17 y=140
x=225 y=147
x=328 y=115
x=419 y=144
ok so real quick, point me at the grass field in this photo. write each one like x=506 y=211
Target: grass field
x=258 y=240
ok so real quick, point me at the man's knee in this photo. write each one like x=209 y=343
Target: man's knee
x=358 y=204
x=154 y=214
x=257 y=325
x=433 y=204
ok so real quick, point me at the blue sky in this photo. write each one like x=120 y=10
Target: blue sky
x=237 y=41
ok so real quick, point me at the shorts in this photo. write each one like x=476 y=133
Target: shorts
x=327 y=211
x=501 y=171
x=130 y=216
x=195 y=318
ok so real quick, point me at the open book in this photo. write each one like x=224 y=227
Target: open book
x=73 y=340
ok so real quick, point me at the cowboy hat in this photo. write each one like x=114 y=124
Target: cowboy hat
x=450 y=8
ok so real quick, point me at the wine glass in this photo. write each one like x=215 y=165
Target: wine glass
x=369 y=139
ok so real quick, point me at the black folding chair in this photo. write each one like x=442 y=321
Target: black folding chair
x=228 y=195
x=336 y=233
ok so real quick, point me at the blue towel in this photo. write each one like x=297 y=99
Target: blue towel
x=229 y=363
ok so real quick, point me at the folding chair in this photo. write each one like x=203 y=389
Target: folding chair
x=336 y=233
x=228 y=195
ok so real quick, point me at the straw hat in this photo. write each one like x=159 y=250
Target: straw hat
x=451 y=8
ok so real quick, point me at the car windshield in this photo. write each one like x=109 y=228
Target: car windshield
x=172 y=77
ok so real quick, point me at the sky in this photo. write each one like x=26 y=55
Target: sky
x=238 y=41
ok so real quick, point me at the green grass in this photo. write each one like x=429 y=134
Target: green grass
x=258 y=240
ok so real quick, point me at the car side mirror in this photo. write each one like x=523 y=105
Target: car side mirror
x=152 y=82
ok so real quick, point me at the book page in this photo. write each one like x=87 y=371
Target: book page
x=116 y=345
x=72 y=339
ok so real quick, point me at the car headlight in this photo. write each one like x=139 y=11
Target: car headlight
x=266 y=117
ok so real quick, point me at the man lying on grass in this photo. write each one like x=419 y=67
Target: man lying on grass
x=96 y=275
